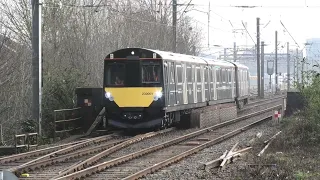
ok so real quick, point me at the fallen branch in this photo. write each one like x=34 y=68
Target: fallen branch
x=274 y=136
x=269 y=142
x=229 y=155
x=224 y=159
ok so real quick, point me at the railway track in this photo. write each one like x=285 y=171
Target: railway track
x=259 y=103
x=60 y=162
x=45 y=152
x=144 y=161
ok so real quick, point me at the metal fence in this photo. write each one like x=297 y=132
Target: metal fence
x=66 y=121
x=25 y=141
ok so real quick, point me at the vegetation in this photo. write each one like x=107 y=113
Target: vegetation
x=76 y=36
x=295 y=152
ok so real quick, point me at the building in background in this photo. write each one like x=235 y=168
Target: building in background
x=247 y=56
x=313 y=54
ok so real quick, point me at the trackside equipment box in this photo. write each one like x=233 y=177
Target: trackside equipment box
x=90 y=101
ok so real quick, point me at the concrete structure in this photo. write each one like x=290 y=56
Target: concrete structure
x=312 y=54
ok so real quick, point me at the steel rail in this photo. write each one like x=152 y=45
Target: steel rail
x=86 y=171
x=260 y=103
x=94 y=159
x=39 y=152
x=18 y=170
x=66 y=157
x=194 y=150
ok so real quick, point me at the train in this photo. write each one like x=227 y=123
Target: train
x=146 y=88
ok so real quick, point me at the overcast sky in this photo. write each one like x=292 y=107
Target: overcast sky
x=301 y=21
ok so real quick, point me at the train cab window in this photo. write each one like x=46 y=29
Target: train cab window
x=150 y=73
x=115 y=75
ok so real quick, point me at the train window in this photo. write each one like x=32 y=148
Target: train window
x=189 y=74
x=115 y=74
x=166 y=74
x=219 y=75
x=198 y=75
x=223 y=75
x=150 y=73
x=179 y=73
x=206 y=74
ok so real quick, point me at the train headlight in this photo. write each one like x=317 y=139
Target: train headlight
x=109 y=96
x=157 y=95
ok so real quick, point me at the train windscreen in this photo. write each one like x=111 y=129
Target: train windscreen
x=124 y=74
x=150 y=74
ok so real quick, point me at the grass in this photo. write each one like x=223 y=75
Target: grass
x=295 y=154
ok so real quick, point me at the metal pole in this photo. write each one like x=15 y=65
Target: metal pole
x=174 y=25
x=209 y=26
x=270 y=84
x=225 y=54
x=288 y=67
x=234 y=52
x=297 y=66
x=276 y=61
x=262 y=69
x=258 y=57
x=1 y=135
x=36 y=63
x=302 y=72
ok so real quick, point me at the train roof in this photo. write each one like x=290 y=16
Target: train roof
x=241 y=65
x=177 y=57
x=188 y=58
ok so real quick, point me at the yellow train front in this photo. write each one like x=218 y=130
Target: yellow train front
x=133 y=84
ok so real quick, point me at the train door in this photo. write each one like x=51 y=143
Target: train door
x=166 y=83
x=172 y=84
x=198 y=84
x=179 y=86
x=203 y=87
x=232 y=82
x=216 y=77
x=184 y=84
x=207 y=83
x=190 y=88
x=210 y=81
x=194 y=81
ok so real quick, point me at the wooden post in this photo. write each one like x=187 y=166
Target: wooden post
x=1 y=135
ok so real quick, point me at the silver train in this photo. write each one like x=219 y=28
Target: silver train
x=155 y=88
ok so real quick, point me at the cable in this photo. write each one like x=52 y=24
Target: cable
x=248 y=32
x=289 y=34
x=212 y=26
x=185 y=9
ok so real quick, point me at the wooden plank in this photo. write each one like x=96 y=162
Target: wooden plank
x=225 y=156
x=229 y=153
x=274 y=136
x=68 y=120
x=60 y=110
x=192 y=143
x=96 y=122
x=269 y=142
x=213 y=163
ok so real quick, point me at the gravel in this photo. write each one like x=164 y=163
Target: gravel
x=189 y=167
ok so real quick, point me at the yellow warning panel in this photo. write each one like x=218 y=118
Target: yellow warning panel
x=25 y=175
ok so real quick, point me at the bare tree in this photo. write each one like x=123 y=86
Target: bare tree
x=77 y=35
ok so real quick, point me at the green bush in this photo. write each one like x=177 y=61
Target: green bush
x=308 y=124
x=59 y=93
